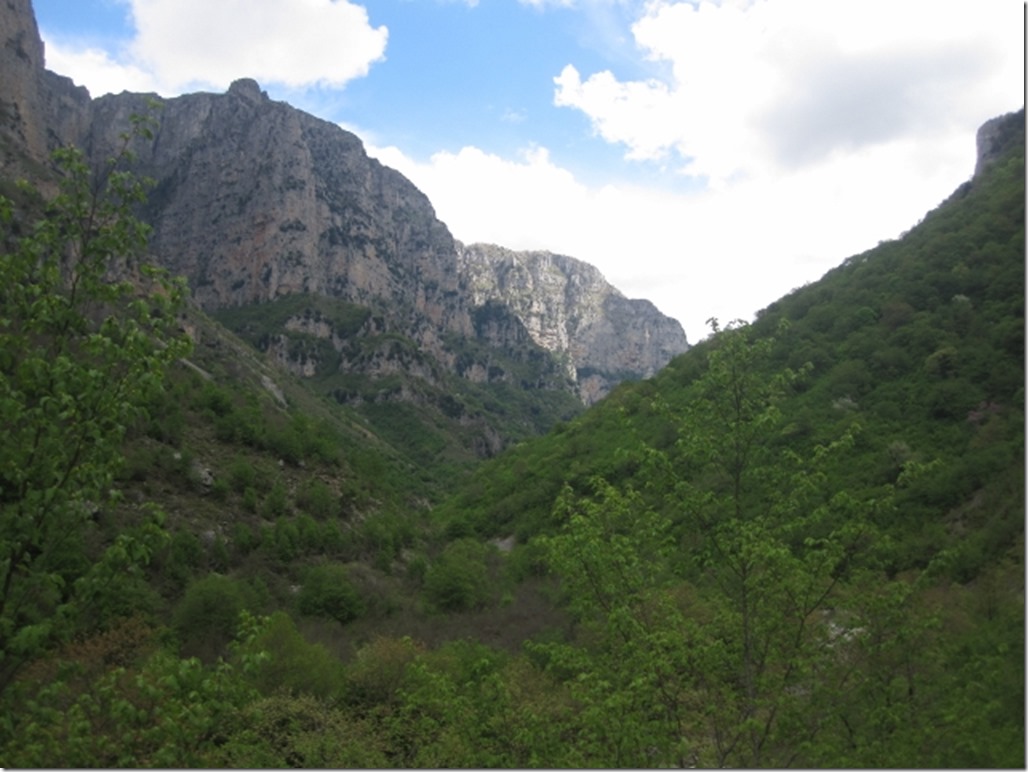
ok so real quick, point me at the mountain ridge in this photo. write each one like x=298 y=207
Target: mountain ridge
x=255 y=200
x=568 y=307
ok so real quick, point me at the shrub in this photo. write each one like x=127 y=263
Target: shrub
x=276 y=503
x=317 y=500
x=295 y=665
x=302 y=732
x=250 y=500
x=241 y=474
x=379 y=668
x=215 y=400
x=328 y=592
x=207 y=616
x=459 y=579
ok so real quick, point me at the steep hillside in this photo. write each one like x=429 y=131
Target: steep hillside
x=441 y=419
x=255 y=200
x=570 y=309
x=320 y=224
x=919 y=341
x=804 y=538
x=800 y=543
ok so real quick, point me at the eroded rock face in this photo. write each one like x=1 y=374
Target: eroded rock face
x=995 y=136
x=39 y=111
x=569 y=309
x=256 y=200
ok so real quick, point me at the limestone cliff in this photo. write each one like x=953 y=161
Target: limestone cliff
x=996 y=136
x=568 y=308
x=39 y=110
x=255 y=201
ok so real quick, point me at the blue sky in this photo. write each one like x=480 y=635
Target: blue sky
x=708 y=156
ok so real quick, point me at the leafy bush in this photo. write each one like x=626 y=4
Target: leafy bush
x=378 y=671
x=295 y=665
x=318 y=500
x=459 y=579
x=276 y=503
x=207 y=617
x=287 y=731
x=328 y=592
x=241 y=474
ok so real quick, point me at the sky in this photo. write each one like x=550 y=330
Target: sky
x=707 y=156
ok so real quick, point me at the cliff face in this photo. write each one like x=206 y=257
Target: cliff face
x=996 y=136
x=255 y=201
x=39 y=111
x=569 y=309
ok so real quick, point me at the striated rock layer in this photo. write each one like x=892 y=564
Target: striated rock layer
x=255 y=200
x=568 y=308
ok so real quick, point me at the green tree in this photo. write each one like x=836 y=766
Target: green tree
x=162 y=712
x=206 y=617
x=775 y=536
x=293 y=664
x=328 y=592
x=714 y=646
x=459 y=578
x=87 y=331
x=613 y=556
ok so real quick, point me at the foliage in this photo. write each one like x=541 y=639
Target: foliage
x=328 y=592
x=459 y=579
x=292 y=664
x=284 y=731
x=167 y=712
x=450 y=422
x=88 y=331
x=800 y=544
x=205 y=618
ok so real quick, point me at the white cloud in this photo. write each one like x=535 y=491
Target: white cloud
x=758 y=87
x=529 y=203
x=186 y=45
x=299 y=43
x=95 y=68
x=822 y=128
x=549 y=3
x=724 y=253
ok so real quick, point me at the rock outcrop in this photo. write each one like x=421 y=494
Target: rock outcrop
x=568 y=308
x=39 y=110
x=996 y=136
x=255 y=200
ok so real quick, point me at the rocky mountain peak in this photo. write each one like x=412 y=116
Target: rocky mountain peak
x=570 y=309
x=996 y=136
x=39 y=111
x=255 y=201
x=248 y=89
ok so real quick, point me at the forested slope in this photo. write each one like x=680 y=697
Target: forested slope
x=917 y=345
x=800 y=544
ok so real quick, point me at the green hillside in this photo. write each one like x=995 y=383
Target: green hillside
x=855 y=459
x=916 y=345
x=440 y=421
x=800 y=544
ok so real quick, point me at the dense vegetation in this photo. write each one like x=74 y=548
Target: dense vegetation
x=801 y=544
x=438 y=420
